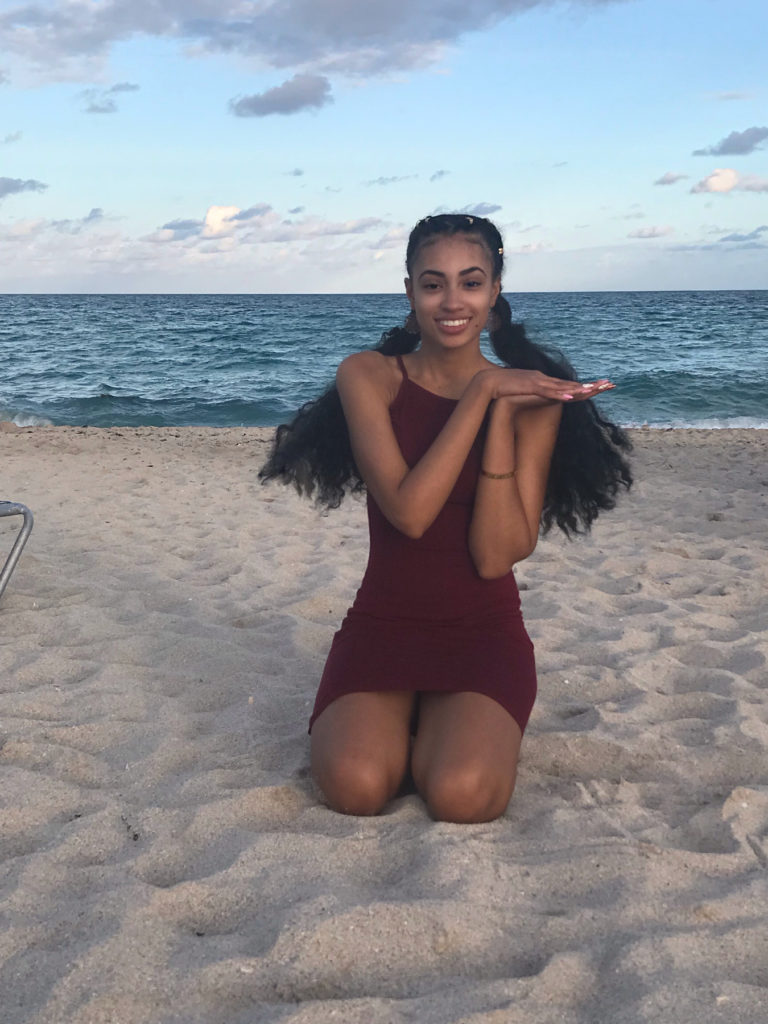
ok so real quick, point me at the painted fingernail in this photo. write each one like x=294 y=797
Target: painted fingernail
x=586 y=387
x=567 y=396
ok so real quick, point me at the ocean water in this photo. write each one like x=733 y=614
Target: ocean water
x=678 y=358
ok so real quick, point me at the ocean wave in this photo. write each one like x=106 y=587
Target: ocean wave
x=24 y=419
x=711 y=423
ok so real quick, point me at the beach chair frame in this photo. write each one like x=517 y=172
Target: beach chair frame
x=13 y=508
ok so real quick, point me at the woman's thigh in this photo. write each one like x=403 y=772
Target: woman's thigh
x=360 y=745
x=465 y=756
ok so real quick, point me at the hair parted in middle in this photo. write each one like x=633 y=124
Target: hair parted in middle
x=588 y=467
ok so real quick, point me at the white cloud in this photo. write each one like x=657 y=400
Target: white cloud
x=651 y=232
x=725 y=179
x=722 y=179
x=218 y=221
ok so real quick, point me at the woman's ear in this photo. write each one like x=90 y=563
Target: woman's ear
x=496 y=291
x=409 y=289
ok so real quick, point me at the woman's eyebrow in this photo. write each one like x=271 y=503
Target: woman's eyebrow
x=439 y=273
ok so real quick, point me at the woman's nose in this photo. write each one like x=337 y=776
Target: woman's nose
x=452 y=298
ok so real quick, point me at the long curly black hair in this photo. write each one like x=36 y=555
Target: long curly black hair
x=589 y=465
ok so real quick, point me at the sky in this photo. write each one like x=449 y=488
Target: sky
x=290 y=145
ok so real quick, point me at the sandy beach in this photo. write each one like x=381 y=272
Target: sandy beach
x=164 y=858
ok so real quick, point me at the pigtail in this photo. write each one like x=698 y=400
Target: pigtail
x=313 y=452
x=588 y=465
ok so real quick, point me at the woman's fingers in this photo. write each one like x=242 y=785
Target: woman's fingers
x=589 y=390
x=532 y=382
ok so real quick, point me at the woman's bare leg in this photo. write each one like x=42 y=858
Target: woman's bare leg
x=465 y=756
x=360 y=746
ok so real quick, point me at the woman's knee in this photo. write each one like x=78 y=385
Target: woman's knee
x=466 y=794
x=355 y=785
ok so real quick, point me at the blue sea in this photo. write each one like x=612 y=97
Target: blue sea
x=679 y=359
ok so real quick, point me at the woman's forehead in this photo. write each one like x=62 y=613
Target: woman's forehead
x=443 y=245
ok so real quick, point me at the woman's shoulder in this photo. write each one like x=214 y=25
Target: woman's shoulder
x=370 y=369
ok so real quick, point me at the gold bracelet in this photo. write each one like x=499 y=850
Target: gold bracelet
x=498 y=476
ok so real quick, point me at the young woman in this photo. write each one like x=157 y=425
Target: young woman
x=462 y=460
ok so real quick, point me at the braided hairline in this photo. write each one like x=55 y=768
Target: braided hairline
x=447 y=224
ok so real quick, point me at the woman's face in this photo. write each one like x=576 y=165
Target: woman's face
x=451 y=290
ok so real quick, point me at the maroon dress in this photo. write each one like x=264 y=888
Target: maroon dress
x=423 y=620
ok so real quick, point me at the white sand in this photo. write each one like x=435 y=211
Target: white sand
x=163 y=857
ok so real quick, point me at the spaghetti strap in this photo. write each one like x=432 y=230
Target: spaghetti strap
x=401 y=364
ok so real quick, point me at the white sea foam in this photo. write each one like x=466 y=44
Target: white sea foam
x=23 y=419
x=714 y=423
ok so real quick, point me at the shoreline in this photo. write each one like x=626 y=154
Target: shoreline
x=165 y=856
x=8 y=426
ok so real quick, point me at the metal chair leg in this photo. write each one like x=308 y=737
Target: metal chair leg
x=13 y=508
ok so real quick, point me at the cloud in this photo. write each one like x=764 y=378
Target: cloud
x=725 y=179
x=295 y=173
x=101 y=101
x=177 y=230
x=753 y=236
x=219 y=221
x=302 y=92
x=728 y=96
x=296 y=209
x=480 y=209
x=340 y=36
x=74 y=227
x=11 y=138
x=529 y=249
x=736 y=144
x=259 y=210
x=390 y=181
x=438 y=175
x=12 y=186
x=751 y=183
x=669 y=178
x=227 y=227
x=652 y=232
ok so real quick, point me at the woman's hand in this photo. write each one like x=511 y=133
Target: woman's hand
x=531 y=387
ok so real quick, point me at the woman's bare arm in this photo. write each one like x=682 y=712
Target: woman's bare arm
x=507 y=511
x=410 y=498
